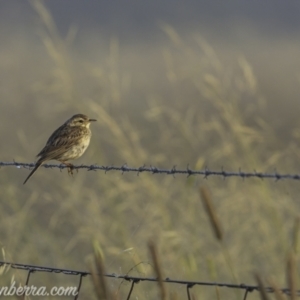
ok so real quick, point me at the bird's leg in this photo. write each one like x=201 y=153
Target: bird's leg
x=70 y=167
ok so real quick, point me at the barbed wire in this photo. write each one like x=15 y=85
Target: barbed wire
x=133 y=279
x=154 y=170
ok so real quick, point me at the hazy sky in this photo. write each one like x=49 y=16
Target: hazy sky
x=140 y=17
x=265 y=32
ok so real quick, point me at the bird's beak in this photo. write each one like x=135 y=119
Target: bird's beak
x=92 y=120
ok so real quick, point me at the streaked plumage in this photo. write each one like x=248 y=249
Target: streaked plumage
x=66 y=143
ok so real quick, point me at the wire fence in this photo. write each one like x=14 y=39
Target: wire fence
x=189 y=284
x=133 y=279
x=154 y=170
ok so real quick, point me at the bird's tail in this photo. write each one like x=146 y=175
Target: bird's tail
x=37 y=165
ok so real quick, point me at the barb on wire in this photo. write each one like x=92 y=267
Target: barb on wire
x=154 y=170
x=189 y=284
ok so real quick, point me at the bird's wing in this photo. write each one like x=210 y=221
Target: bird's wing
x=60 y=141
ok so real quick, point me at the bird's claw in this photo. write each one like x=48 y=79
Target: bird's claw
x=70 y=169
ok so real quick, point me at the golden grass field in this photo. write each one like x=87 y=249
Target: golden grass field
x=203 y=113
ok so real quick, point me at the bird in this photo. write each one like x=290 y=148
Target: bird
x=67 y=142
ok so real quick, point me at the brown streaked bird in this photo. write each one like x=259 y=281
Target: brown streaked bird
x=67 y=142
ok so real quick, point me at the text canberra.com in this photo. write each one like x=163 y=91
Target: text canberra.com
x=30 y=290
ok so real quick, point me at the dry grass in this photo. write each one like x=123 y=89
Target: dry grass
x=211 y=115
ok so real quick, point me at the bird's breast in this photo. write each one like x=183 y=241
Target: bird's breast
x=77 y=149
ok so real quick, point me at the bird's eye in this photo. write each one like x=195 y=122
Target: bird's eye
x=80 y=121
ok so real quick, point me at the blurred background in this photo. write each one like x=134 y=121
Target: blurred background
x=202 y=83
